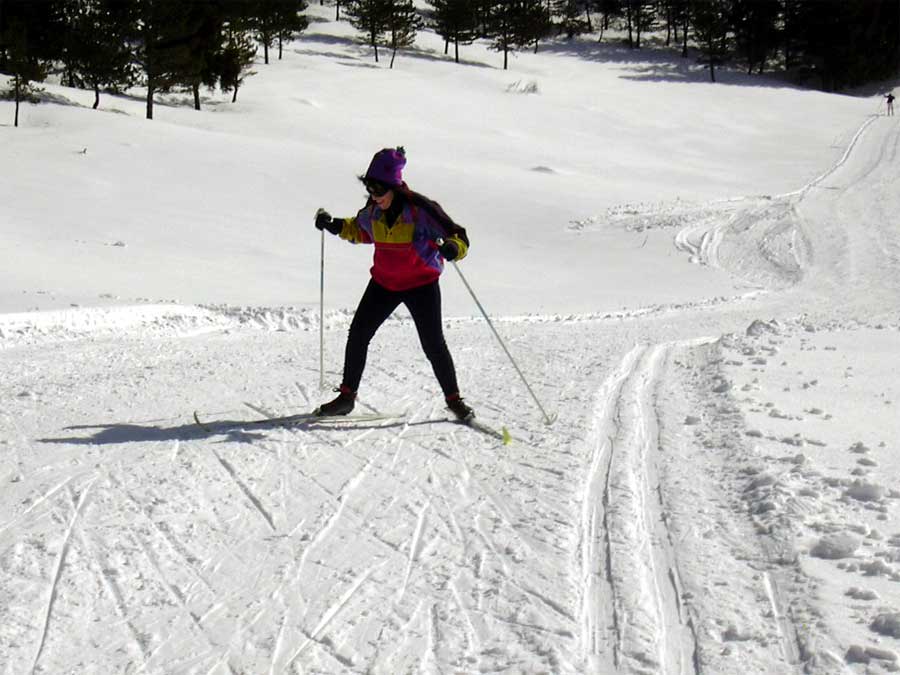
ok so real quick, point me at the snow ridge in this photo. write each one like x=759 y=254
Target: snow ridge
x=761 y=243
x=173 y=320
x=760 y=240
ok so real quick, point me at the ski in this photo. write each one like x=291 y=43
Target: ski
x=316 y=417
x=301 y=419
x=501 y=434
x=270 y=419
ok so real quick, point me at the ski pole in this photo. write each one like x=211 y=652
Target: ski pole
x=322 y=310
x=548 y=420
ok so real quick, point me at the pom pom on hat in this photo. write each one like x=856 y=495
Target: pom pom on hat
x=386 y=167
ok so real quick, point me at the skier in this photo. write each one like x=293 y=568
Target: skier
x=405 y=228
x=890 y=103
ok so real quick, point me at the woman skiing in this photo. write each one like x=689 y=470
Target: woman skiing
x=413 y=236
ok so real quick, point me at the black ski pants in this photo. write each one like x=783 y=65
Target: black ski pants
x=376 y=305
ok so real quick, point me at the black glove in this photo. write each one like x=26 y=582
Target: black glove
x=324 y=221
x=449 y=250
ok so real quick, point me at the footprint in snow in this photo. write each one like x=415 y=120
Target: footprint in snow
x=861 y=593
x=863 y=491
x=836 y=547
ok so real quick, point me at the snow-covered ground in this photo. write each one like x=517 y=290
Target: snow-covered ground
x=701 y=280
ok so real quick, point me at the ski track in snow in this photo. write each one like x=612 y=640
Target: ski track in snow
x=77 y=508
x=252 y=498
x=631 y=616
x=785 y=627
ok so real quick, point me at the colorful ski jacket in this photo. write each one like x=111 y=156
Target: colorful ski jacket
x=406 y=252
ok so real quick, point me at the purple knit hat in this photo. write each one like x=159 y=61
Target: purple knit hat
x=386 y=167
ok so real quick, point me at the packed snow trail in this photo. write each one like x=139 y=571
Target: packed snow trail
x=828 y=244
x=621 y=540
x=851 y=220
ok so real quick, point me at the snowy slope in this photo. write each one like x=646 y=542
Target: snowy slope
x=710 y=307
x=214 y=207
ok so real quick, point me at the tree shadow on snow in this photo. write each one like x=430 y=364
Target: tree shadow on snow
x=59 y=99
x=656 y=62
x=363 y=51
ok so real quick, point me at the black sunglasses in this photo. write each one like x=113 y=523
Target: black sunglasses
x=377 y=189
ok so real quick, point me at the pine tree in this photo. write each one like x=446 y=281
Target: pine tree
x=609 y=9
x=640 y=17
x=676 y=14
x=511 y=24
x=667 y=12
x=483 y=9
x=371 y=17
x=455 y=21
x=645 y=15
x=570 y=15
x=589 y=7
x=166 y=42
x=501 y=28
x=28 y=42
x=276 y=20
x=95 y=51
x=290 y=21
x=203 y=49
x=756 y=30
x=236 y=59
x=629 y=22
x=842 y=43
x=24 y=69
x=681 y=17
x=263 y=16
x=403 y=24
x=536 y=23
x=711 y=21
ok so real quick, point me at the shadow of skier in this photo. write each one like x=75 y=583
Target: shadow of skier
x=231 y=431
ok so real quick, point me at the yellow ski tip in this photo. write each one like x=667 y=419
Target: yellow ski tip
x=507 y=437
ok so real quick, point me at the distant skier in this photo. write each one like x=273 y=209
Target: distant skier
x=890 y=103
x=404 y=226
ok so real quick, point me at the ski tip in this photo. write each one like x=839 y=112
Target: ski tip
x=200 y=424
x=507 y=437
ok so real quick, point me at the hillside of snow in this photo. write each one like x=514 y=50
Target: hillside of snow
x=700 y=280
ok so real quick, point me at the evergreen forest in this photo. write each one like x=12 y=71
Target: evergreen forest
x=173 y=45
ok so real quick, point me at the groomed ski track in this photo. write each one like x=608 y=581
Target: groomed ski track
x=133 y=542
x=630 y=613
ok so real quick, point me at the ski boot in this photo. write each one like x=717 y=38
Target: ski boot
x=459 y=408
x=342 y=405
